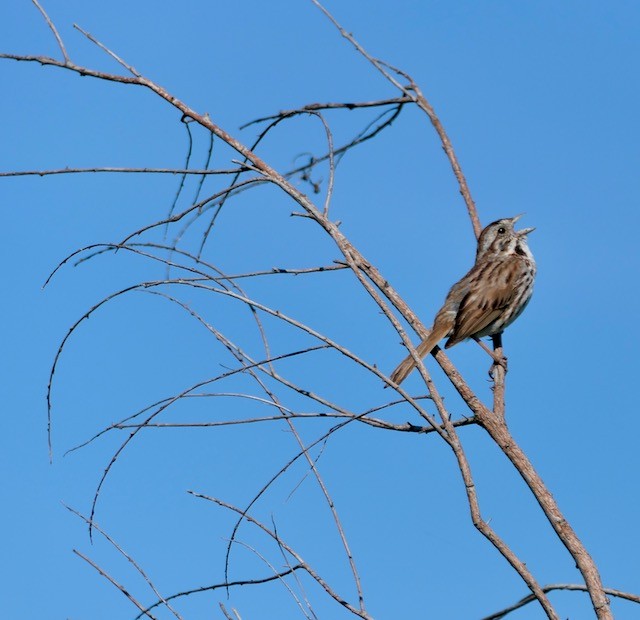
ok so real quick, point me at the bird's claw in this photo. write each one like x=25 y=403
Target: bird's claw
x=498 y=360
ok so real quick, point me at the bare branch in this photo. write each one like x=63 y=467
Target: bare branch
x=119 y=170
x=105 y=49
x=224 y=585
x=275 y=572
x=95 y=526
x=115 y=583
x=310 y=107
x=226 y=614
x=53 y=29
x=186 y=121
x=579 y=587
x=332 y=165
x=498 y=373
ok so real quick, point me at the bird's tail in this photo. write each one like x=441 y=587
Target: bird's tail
x=423 y=349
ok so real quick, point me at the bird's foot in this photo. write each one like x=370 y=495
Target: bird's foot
x=498 y=361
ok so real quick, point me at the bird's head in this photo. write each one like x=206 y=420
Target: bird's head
x=500 y=237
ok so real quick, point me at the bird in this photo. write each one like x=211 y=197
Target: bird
x=490 y=297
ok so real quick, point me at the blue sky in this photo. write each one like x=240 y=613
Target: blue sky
x=541 y=103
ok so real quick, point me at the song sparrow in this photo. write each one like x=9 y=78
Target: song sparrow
x=489 y=298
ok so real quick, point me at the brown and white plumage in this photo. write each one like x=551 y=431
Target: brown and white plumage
x=488 y=298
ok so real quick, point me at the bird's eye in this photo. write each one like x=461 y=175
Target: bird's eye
x=501 y=230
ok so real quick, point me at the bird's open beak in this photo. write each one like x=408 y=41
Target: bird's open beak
x=525 y=231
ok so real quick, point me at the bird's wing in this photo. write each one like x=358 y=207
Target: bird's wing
x=491 y=290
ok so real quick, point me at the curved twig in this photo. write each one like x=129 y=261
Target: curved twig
x=578 y=587
x=310 y=571
x=219 y=586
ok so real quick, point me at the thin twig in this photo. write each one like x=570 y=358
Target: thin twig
x=105 y=49
x=118 y=170
x=226 y=614
x=53 y=29
x=275 y=572
x=161 y=599
x=310 y=107
x=186 y=122
x=579 y=587
x=224 y=585
x=109 y=578
x=298 y=581
x=332 y=166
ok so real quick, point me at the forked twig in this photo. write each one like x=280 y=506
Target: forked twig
x=53 y=29
x=107 y=51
